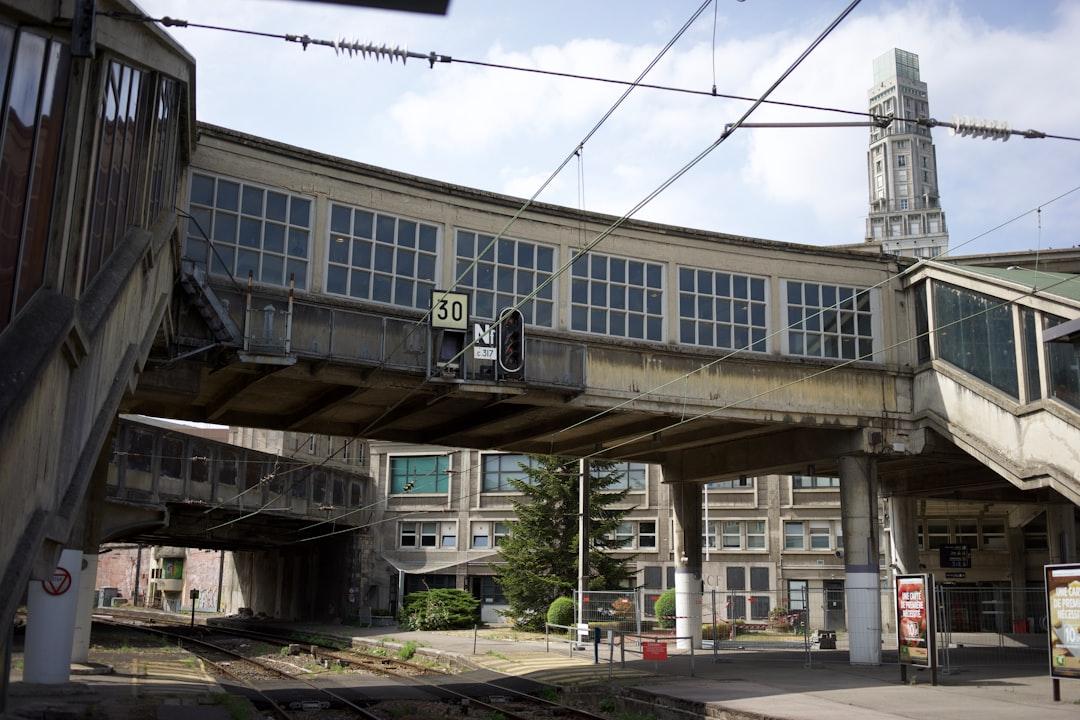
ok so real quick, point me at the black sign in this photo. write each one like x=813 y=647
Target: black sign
x=511 y=346
x=955 y=556
x=955 y=575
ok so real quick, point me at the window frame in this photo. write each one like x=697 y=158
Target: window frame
x=816 y=316
x=350 y=268
x=589 y=307
x=471 y=289
x=624 y=484
x=390 y=477
x=192 y=231
x=731 y=299
x=418 y=531
x=484 y=457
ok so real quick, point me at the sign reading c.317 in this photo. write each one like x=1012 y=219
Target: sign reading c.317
x=449 y=310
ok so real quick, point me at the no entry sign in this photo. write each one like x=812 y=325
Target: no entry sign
x=59 y=583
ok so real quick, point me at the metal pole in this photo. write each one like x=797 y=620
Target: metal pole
x=640 y=609
x=806 y=623
x=220 y=578
x=622 y=650
x=547 y=638
x=611 y=653
x=192 y=612
x=474 y=638
x=715 y=630
x=691 y=657
x=138 y=572
x=583 y=537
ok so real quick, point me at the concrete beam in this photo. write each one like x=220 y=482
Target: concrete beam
x=494 y=413
x=220 y=403
x=322 y=403
x=777 y=453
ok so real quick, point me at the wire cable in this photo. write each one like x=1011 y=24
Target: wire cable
x=782 y=386
x=780 y=331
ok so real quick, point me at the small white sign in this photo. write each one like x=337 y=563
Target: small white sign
x=484 y=341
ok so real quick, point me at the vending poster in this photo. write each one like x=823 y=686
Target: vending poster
x=1063 y=616
x=915 y=619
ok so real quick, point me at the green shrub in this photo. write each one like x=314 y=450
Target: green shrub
x=407 y=650
x=442 y=609
x=664 y=609
x=723 y=630
x=561 y=611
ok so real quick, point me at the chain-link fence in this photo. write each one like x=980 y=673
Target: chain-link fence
x=976 y=626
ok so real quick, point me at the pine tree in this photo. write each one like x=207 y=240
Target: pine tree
x=539 y=558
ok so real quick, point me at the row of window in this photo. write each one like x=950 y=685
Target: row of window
x=720 y=535
x=976 y=533
x=136 y=163
x=199 y=462
x=975 y=332
x=430 y=474
x=243 y=230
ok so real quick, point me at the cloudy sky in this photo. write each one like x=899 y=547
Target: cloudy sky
x=506 y=131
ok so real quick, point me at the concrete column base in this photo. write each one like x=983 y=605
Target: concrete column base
x=80 y=649
x=862 y=595
x=687 y=608
x=50 y=623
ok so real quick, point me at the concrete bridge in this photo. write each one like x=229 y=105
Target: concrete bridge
x=291 y=298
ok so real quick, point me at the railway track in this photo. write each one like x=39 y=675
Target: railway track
x=509 y=703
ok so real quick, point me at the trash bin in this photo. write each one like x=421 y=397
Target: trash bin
x=1020 y=626
x=827 y=639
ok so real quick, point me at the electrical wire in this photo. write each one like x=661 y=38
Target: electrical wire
x=596 y=454
x=782 y=330
x=970 y=240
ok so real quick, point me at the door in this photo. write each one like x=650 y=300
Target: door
x=834 y=605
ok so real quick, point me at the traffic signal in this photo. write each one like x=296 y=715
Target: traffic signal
x=511 y=345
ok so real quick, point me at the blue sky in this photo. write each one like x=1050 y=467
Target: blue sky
x=505 y=132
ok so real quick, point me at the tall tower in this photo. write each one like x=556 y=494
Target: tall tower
x=905 y=208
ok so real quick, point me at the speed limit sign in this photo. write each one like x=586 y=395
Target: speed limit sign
x=449 y=310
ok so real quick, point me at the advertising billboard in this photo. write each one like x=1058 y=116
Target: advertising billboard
x=915 y=620
x=1063 y=615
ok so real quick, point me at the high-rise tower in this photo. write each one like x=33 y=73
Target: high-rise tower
x=905 y=207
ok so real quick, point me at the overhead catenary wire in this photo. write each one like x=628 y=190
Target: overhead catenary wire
x=777 y=388
x=597 y=415
x=575 y=152
x=780 y=331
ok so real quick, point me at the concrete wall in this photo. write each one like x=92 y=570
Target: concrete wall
x=74 y=350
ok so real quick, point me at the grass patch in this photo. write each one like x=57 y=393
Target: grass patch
x=549 y=693
x=378 y=651
x=407 y=651
x=607 y=705
x=496 y=653
x=237 y=707
x=190 y=663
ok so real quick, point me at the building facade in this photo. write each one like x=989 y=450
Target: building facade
x=901 y=164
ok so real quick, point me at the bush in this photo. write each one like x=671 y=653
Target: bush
x=664 y=609
x=442 y=609
x=723 y=630
x=561 y=611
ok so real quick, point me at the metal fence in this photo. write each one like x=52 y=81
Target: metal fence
x=976 y=626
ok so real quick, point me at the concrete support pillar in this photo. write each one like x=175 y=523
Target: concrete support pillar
x=902 y=534
x=686 y=497
x=858 y=506
x=80 y=647
x=50 y=622
x=1061 y=532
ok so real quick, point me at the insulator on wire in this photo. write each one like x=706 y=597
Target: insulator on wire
x=378 y=52
x=977 y=128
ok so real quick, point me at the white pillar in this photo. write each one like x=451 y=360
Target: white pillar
x=80 y=649
x=688 y=588
x=862 y=567
x=50 y=623
x=903 y=535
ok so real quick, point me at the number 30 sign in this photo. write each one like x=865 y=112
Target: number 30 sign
x=449 y=310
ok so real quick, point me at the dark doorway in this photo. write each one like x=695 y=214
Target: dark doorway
x=834 y=605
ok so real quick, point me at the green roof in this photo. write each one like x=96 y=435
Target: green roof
x=1065 y=285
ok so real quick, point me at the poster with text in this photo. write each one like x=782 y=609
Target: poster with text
x=914 y=625
x=1063 y=614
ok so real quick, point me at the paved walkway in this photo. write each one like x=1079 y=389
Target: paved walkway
x=761 y=684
